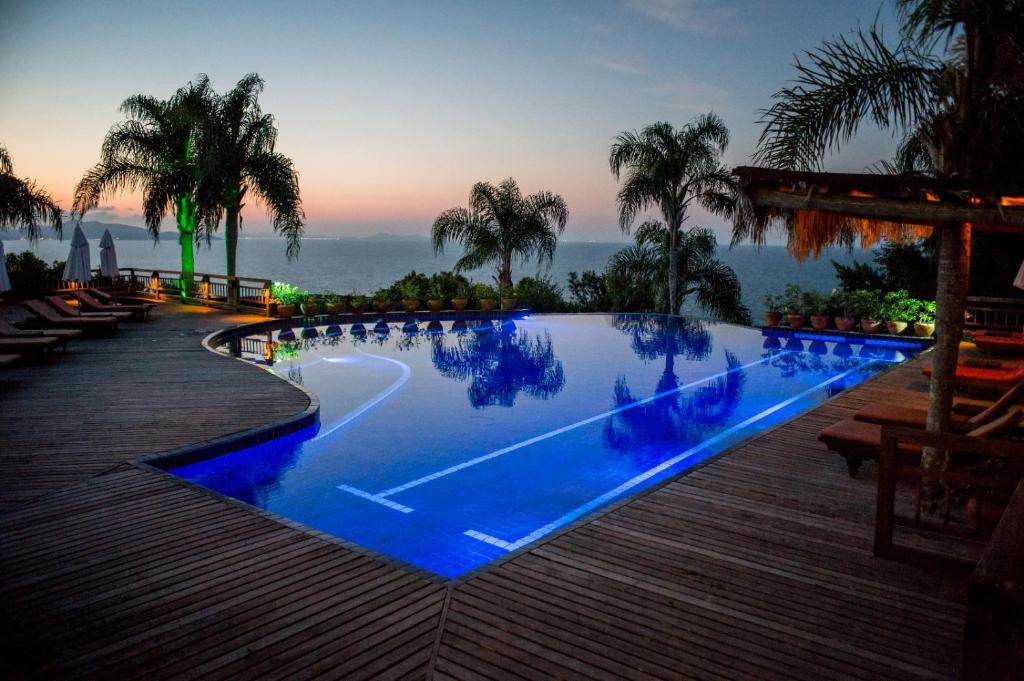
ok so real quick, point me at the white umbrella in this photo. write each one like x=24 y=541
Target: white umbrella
x=108 y=256
x=78 y=267
x=1018 y=282
x=5 y=282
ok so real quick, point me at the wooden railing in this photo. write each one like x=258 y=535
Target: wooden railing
x=216 y=290
x=1005 y=314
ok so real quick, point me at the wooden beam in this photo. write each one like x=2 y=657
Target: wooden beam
x=894 y=210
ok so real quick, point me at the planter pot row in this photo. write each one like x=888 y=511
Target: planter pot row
x=382 y=306
x=821 y=322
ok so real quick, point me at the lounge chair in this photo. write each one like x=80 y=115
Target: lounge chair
x=44 y=315
x=62 y=307
x=8 y=330
x=859 y=441
x=108 y=299
x=997 y=377
x=1000 y=341
x=887 y=414
x=91 y=304
x=6 y=360
x=25 y=345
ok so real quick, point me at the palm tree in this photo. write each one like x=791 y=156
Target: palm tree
x=697 y=272
x=23 y=205
x=954 y=85
x=156 y=151
x=501 y=224
x=240 y=161
x=672 y=170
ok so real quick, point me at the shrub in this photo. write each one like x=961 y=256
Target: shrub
x=815 y=303
x=448 y=285
x=924 y=312
x=31 y=276
x=412 y=286
x=773 y=303
x=839 y=304
x=286 y=294
x=483 y=291
x=383 y=294
x=898 y=306
x=540 y=294
x=792 y=300
x=865 y=303
x=589 y=291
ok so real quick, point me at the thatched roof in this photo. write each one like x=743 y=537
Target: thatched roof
x=818 y=210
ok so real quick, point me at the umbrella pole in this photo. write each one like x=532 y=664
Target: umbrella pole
x=951 y=292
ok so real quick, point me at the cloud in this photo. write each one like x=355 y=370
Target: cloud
x=691 y=95
x=697 y=16
x=618 y=65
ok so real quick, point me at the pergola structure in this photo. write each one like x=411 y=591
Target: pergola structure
x=817 y=210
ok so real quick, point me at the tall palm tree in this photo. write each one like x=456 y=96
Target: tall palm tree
x=954 y=85
x=697 y=272
x=501 y=224
x=672 y=170
x=23 y=205
x=239 y=161
x=156 y=151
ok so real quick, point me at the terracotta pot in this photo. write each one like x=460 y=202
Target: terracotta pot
x=895 y=327
x=845 y=323
x=310 y=309
x=410 y=304
x=381 y=306
x=357 y=306
x=488 y=304
x=795 y=320
x=286 y=310
x=460 y=304
x=333 y=308
x=870 y=325
x=772 y=318
x=819 y=321
x=435 y=305
x=923 y=330
x=508 y=303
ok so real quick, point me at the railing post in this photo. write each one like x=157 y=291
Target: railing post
x=267 y=296
x=233 y=292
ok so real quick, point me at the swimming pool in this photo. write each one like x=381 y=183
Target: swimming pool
x=447 y=445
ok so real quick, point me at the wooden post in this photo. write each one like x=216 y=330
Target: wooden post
x=886 y=500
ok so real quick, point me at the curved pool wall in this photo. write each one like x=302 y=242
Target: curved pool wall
x=449 y=441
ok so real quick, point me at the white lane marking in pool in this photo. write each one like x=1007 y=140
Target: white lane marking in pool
x=558 y=431
x=646 y=475
x=375 y=400
x=393 y=505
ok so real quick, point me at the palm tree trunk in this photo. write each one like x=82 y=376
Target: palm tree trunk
x=230 y=250
x=954 y=271
x=505 y=275
x=186 y=218
x=673 y=231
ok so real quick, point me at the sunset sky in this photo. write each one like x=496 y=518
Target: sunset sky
x=391 y=110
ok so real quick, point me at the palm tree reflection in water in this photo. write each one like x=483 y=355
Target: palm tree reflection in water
x=500 y=363
x=667 y=424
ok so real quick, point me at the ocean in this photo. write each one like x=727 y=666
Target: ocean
x=348 y=265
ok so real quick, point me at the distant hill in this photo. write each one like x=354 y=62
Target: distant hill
x=94 y=230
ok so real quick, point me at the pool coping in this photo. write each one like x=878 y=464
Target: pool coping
x=154 y=463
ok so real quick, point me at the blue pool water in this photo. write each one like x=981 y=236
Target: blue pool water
x=449 y=447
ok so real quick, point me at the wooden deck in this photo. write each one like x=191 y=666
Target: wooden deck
x=757 y=565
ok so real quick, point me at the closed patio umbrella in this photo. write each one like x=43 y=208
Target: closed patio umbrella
x=78 y=267
x=5 y=281
x=1019 y=281
x=108 y=256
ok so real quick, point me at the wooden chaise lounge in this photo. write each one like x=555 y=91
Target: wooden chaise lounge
x=887 y=414
x=988 y=376
x=63 y=307
x=91 y=304
x=6 y=360
x=860 y=441
x=1000 y=341
x=26 y=345
x=44 y=315
x=8 y=330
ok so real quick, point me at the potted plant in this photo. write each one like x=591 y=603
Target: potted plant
x=382 y=300
x=817 y=305
x=356 y=303
x=839 y=309
x=772 y=310
x=435 y=296
x=332 y=303
x=310 y=306
x=460 y=297
x=924 y=318
x=410 y=292
x=508 y=298
x=486 y=296
x=791 y=300
x=287 y=297
x=898 y=310
x=866 y=304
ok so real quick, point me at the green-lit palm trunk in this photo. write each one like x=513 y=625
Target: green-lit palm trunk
x=954 y=271
x=185 y=215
